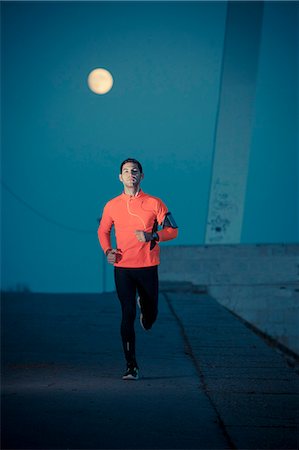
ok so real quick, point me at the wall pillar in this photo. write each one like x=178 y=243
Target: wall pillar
x=234 y=122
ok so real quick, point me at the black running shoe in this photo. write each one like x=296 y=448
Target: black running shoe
x=132 y=373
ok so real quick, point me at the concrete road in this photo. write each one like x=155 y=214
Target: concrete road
x=208 y=382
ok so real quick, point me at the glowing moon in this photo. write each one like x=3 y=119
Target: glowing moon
x=100 y=81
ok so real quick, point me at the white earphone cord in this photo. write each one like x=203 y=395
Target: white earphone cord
x=136 y=215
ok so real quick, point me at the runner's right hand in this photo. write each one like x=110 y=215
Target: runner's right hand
x=114 y=256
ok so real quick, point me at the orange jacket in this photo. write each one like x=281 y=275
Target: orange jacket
x=130 y=213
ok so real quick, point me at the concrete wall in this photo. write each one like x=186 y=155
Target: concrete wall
x=260 y=283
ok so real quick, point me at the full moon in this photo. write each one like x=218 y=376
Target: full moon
x=100 y=81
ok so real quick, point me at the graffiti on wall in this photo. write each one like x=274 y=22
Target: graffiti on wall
x=223 y=209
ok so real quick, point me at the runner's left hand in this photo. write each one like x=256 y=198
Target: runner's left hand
x=143 y=236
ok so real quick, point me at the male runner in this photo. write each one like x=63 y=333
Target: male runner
x=135 y=217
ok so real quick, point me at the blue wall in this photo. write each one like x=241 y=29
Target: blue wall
x=62 y=144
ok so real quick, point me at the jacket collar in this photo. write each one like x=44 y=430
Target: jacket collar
x=139 y=194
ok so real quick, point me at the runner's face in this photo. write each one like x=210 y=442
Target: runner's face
x=130 y=175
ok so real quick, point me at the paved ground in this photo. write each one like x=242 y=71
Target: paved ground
x=208 y=382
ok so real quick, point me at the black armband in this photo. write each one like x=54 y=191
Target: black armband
x=169 y=221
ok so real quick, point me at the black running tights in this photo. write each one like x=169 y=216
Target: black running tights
x=128 y=282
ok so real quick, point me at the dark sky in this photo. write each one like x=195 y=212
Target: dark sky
x=63 y=144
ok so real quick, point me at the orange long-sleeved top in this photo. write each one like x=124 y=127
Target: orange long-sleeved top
x=127 y=214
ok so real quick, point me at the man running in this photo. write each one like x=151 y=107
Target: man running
x=135 y=217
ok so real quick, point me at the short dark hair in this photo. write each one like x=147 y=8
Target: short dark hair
x=131 y=160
